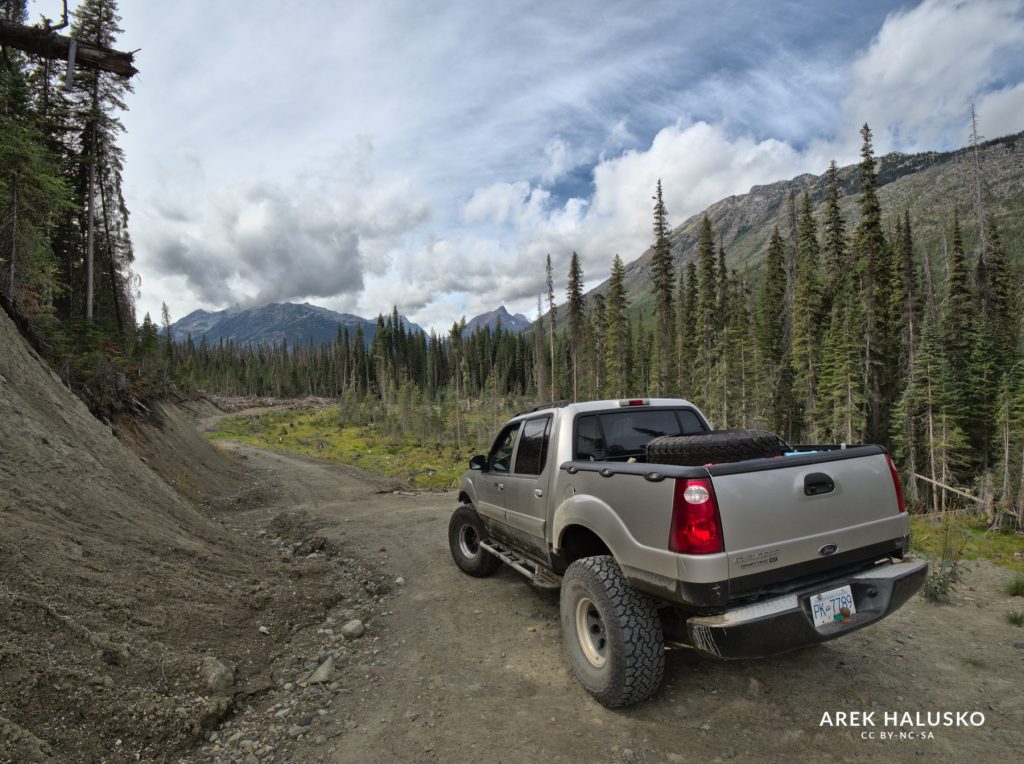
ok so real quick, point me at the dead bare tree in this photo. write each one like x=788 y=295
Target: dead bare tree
x=43 y=40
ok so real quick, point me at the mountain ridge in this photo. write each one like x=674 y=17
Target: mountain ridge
x=514 y=323
x=274 y=324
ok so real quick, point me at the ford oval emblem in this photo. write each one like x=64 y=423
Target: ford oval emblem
x=828 y=549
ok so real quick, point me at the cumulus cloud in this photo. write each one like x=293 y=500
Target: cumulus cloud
x=260 y=242
x=917 y=80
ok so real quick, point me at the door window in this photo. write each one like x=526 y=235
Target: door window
x=533 y=446
x=500 y=458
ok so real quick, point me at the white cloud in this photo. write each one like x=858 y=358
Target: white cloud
x=261 y=242
x=916 y=81
x=556 y=152
x=1001 y=112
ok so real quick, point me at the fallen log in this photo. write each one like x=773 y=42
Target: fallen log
x=47 y=43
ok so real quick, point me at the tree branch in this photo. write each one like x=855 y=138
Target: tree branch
x=46 y=43
x=63 y=20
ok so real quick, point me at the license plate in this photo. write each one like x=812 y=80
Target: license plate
x=833 y=606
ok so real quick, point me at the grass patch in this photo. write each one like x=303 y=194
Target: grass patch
x=1016 y=587
x=1015 y=618
x=422 y=461
x=936 y=540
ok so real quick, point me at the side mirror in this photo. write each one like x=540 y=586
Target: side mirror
x=478 y=462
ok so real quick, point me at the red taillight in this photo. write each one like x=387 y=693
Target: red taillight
x=696 y=524
x=896 y=483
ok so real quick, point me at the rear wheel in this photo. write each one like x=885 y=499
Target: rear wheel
x=465 y=532
x=612 y=633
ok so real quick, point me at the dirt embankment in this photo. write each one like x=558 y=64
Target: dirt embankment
x=134 y=617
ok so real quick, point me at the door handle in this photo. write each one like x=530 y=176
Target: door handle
x=538 y=493
x=501 y=486
x=818 y=483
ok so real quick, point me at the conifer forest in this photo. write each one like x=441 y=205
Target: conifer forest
x=849 y=332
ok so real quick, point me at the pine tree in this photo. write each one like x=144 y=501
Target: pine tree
x=97 y=98
x=874 y=269
x=996 y=285
x=596 y=323
x=707 y=306
x=957 y=328
x=552 y=317
x=662 y=283
x=577 y=320
x=617 y=333
x=925 y=421
x=806 y=337
x=539 y=355
x=908 y=296
x=771 y=328
x=33 y=195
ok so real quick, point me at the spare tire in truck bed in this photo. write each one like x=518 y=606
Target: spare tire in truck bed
x=715 y=447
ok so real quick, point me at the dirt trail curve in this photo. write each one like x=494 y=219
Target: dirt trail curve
x=473 y=670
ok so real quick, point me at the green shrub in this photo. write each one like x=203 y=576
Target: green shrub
x=1015 y=617
x=1016 y=587
x=940 y=583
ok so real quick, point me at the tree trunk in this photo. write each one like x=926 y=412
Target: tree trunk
x=110 y=262
x=90 y=215
x=50 y=45
x=14 y=235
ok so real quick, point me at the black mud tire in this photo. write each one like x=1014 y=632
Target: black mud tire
x=718 y=447
x=465 y=531
x=620 y=656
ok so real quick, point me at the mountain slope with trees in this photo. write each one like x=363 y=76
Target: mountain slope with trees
x=929 y=185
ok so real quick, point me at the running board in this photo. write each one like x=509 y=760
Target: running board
x=539 y=576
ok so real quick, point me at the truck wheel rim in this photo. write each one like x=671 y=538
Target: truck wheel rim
x=590 y=632
x=469 y=542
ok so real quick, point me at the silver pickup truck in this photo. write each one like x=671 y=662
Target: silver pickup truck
x=659 y=530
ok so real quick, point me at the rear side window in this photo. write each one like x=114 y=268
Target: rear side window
x=622 y=434
x=533 y=446
x=589 y=443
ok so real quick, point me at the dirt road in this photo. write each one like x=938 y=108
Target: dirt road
x=466 y=669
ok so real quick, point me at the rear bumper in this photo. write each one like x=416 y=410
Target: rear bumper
x=784 y=623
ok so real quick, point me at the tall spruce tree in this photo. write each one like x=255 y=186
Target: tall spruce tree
x=617 y=333
x=552 y=317
x=806 y=326
x=97 y=98
x=771 y=339
x=577 y=320
x=875 y=271
x=662 y=284
x=957 y=329
x=707 y=307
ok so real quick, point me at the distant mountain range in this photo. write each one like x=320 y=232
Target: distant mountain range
x=509 y=323
x=301 y=324
x=273 y=324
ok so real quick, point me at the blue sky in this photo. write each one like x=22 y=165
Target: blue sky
x=430 y=154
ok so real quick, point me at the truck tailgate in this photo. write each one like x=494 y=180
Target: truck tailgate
x=806 y=508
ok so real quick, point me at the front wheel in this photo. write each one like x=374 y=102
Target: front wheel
x=465 y=532
x=612 y=633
